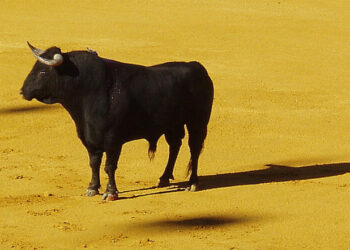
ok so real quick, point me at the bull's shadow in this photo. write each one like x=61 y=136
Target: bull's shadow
x=274 y=173
x=26 y=109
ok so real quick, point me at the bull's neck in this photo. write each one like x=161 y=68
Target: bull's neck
x=88 y=109
x=74 y=106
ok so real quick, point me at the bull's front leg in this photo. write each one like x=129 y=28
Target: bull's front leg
x=95 y=163
x=110 y=168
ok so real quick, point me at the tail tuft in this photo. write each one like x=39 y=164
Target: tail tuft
x=152 y=150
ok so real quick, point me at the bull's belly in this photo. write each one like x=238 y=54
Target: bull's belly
x=148 y=131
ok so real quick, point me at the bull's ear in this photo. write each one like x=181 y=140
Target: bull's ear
x=55 y=61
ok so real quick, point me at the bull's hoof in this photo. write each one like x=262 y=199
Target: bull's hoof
x=192 y=188
x=91 y=192
x=163 y=183
x=110 y=197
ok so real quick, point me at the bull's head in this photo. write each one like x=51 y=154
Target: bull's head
x=41 y=83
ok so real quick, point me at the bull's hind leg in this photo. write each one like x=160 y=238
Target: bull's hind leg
x=95 y=163
x=174 y=139
x=196 y=139
x=110 y=168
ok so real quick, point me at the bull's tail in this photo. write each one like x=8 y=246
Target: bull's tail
x=152 y=150
x=201 y=90
x=193 y=163
x=189 y=168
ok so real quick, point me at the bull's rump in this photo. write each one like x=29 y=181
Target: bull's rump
x=180 y=90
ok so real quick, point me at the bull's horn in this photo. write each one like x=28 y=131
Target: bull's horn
x=36 y=51
x=56 y=61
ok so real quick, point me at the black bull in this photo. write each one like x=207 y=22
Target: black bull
x=112 y=103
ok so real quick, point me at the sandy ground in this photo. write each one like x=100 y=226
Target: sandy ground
x=275 y=169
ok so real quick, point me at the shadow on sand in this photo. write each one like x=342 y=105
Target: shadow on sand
x=190 y=223
x=26 y=108
x=274 y=173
